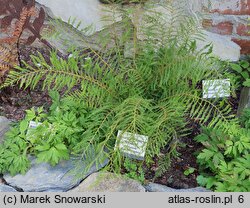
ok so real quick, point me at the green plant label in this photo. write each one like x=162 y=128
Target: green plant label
x=216 y=88
x=132 y=145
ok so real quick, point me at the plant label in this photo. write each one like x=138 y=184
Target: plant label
x=216 y=88
x=33 y=125
x=132 y=145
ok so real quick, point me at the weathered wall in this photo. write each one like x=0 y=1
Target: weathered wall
x=229 y=18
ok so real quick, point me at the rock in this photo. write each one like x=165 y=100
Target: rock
x=5 y=188
x=244 y=100
x=223 y=47
x=153 y=187
x=45 y=178
x=4 y=127
x=108 y=182
x=69 y=37
x=89 y=12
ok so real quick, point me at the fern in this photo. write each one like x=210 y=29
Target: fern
x=152 y=92
x=210 y=113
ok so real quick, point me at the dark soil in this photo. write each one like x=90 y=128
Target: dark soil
x=174 y=177
x=14 y=102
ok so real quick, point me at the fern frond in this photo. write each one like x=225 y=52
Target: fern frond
x=61 y=73
x=97 y=125
x=169 y=20
x=208 y=112
x=24 y=15
x=92 y=47
x=163 y=165
x=9 y=45
x=8 y=57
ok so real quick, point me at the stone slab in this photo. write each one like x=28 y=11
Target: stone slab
x=108 y=182
x=43 y=177
x=223 y=47
x=89 y=12
x=5 y=188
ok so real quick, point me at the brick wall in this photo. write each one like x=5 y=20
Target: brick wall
x=229 y=18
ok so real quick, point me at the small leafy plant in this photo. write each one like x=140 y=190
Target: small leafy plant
x=241 y=71
x=134 y=170
x=51 y=141
x=189 y=171
x=224 y=161
x=13 y=152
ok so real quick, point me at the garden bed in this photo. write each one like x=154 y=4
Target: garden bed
x=161 y=100
x=14 y=102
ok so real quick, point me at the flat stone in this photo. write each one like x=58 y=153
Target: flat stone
x=108 y=182
x=89 y=12
x=223 y=47
x=5 y=188
x=4 y=127
x=153 y=187
x=43 y=177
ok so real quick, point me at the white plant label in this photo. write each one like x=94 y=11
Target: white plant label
x=216 y=88
x=33 y=125
x=132 y=145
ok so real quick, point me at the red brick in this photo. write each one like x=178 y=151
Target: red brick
x=245 y=7
x=231 y=7
x=244 y=44
x=222 y=28
x=243 y=30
